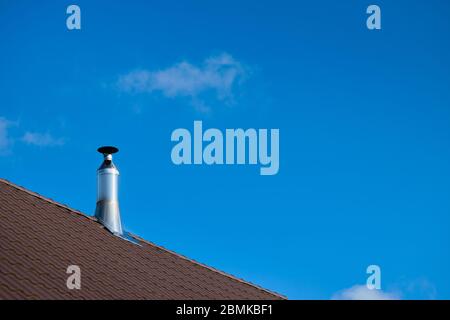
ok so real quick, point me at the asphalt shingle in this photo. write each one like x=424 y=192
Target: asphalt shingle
x=40 y=238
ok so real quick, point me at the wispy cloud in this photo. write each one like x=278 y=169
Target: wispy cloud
x=217 y=74
x=42 y=139
x=31 y=138
x=5 y=140
x=361 y=292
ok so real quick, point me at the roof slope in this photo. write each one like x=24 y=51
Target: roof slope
x=40 y=238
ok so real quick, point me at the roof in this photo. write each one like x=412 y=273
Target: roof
x=40 y=238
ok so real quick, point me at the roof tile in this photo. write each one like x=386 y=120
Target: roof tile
x=40 y=238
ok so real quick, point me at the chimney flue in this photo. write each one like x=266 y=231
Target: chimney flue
x=107 y=210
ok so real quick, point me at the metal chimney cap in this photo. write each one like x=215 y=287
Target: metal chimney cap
x=108 y=150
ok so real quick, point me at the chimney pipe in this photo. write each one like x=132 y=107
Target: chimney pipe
x=107 y=210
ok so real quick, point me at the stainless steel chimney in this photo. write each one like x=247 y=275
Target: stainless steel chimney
x=107 y=210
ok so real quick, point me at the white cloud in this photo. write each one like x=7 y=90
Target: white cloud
x=42 y=139
x=217 y=74
x=361 y=292
x=5 y=140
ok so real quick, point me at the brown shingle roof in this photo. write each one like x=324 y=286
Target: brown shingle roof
x=40 y=238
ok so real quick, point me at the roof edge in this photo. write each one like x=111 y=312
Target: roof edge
x=223 y=273
x=37 y=195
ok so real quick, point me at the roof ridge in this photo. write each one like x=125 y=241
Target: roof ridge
x=35 y=194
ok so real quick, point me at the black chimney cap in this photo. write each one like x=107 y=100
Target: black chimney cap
x=108 y=150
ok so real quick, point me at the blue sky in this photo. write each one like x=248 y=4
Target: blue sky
x=364 y=119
